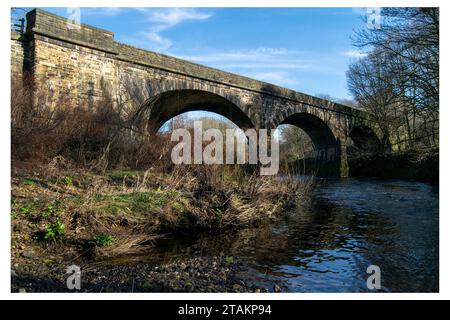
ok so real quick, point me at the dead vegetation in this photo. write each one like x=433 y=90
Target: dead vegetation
x=85 y=182
x=124 y=211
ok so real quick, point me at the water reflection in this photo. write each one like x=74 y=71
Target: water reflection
x=327 y=246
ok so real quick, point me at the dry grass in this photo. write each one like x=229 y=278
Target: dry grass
x=86 y=182
x=137 y=207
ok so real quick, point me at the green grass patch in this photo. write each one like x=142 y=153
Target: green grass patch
x=229 y=259
x=178 y=206
x=36 y=209
x=29 y=182
x=120 y=175
x=146 y=285
x=52 y=209
x=23 y=207
x=136 y=202
x=75 y=199
x=54 y=230
x=28 y=208
x=219 y=213
x=67 y=181
x=103 y=240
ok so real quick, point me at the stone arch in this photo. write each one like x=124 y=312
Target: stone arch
x=319 y=132
x=325 y=160
x=168 y=104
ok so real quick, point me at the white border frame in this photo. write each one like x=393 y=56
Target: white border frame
x=5 y=145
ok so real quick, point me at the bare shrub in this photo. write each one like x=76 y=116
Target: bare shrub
x=96 y=137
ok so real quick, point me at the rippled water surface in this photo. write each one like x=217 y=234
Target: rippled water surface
x=327 y=247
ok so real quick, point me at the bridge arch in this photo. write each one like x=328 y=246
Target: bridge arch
x=324 y=160
x=166 y=105
x=364 y=139
x=319 y=132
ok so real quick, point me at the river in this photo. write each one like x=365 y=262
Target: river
x=328 y=245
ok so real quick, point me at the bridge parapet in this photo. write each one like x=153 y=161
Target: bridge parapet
x=57 y=27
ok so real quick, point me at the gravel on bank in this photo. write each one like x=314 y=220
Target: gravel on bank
x=198 y=274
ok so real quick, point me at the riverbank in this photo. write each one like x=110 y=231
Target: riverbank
x=417 y=166
x=61 y=215
x=197 y=274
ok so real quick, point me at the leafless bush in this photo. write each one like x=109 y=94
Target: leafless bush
x=96 y=138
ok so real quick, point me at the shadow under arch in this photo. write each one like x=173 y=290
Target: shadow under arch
x=169 y=104
x=364 y=140
x=319 y=132
x=325 y=159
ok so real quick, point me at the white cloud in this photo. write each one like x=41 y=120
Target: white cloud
x=169 y=17
x=258 y=58
x=163 y=19
x=258 y=54
x=159 y=42
x=158 y=20
x=355 y=54
x=281 y=78
x=280 y=66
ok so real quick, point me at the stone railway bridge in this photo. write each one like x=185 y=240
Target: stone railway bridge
x=84 y=64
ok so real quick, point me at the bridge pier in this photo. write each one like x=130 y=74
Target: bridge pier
x=343 y=159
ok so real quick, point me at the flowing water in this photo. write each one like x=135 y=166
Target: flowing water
x=327 y=247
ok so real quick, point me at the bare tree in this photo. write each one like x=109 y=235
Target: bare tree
x=398 y=81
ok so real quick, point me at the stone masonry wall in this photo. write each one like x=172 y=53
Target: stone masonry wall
x=73 y=74
x=17 y=56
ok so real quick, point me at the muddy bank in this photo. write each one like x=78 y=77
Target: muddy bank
x=198 y=274
x=61 y=214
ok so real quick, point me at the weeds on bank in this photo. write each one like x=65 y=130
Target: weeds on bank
x=120 y=218
x=54 y=230
x=68 y=181
x=92 y=177
x=103 y=240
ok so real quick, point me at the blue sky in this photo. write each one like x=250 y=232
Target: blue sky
x=305 y=49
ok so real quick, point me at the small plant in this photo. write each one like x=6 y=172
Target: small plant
x=103 y=240
x=51 y=209
x=28 y=208
x=54 y=230
x=229 y=259
x=146 y=285
x=218 y=212
x=121 y=175
x=178 y=206
x=29 y=182
x=68 y=181
x=143 y=197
